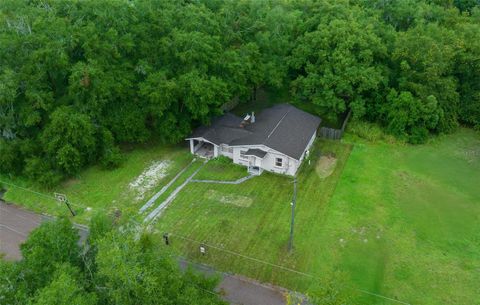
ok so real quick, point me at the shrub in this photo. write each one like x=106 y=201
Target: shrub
x=369 y=131
x=222 y=160
x=42 y=173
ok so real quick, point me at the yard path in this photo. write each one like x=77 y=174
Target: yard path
x=159 y=210
x=238 y=181
x=157 y=195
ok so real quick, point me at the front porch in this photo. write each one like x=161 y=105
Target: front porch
x=203 y=149
x=255 y=170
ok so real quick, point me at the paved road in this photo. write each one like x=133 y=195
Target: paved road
x=16 y=224
x=240 y=290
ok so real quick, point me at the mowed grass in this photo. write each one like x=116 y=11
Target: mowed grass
x=397 y=220
x=96 y=189
x=221 y=169
x=258 y=227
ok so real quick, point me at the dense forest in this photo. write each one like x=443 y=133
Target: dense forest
x=77 y=78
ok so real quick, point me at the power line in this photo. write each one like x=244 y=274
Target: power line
x=220 y=249
x=282 y=267
x=47 y=196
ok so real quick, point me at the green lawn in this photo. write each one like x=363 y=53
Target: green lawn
x=394 y=219
x=96 y=189
x=221 y=169
x=399 y=220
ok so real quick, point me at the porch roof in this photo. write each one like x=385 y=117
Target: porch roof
x=255 y=152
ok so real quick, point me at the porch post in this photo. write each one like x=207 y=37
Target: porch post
x=192 y=147
x=215 y=150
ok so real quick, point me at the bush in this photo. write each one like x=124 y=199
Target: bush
x=112 y=158
x=41 y=172
x=369 y=131
x=10 y=157
x=222 y=160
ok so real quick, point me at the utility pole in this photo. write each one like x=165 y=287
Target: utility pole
x=62 y=198
x=294 y=201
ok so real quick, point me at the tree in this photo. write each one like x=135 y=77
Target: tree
x=115 y=266
x=158 y=279
x=64 y=289
x=53 y=243
x=425 y=57
x=336 y=59
x=410 y=118
x=68 y=140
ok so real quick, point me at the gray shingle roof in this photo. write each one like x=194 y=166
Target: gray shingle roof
x=255 y=152
x=282 y=127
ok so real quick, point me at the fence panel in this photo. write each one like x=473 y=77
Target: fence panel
x=333 y=133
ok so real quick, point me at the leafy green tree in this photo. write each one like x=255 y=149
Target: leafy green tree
x=69 y=140
x=122 y=257
x=409 y=118
x=467 y=71
x=53 y=243
x=64 y=289
x=13 y=290
x=425 y=56
x=337 y=59
x=135 y=70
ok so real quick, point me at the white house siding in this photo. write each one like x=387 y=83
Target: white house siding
x=290 y=165
x=309 y=145
x=225 y=150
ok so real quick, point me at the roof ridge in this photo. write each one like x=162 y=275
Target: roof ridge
x=276 y=126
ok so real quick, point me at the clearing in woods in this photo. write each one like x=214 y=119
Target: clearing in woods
x=398 y=220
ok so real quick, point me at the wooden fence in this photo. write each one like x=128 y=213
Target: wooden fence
x=333 y=133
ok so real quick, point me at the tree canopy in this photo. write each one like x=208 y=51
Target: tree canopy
x=78 y=78
x=112 y=267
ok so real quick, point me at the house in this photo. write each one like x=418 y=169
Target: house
x=276 y=140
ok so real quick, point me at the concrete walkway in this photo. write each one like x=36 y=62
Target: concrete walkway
x=157 y=195
x=238 y=181
x=159 y=210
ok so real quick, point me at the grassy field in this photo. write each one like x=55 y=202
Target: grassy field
x=96 y=189
x=399 y=220
x=221 y=169
x=393 y=219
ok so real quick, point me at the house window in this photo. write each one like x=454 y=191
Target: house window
x=230 y=150
x=224 y=148
x=278 y=162
x=242 y=154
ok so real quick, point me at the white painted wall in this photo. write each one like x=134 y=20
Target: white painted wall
x=309 y=145
x=290 y=165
